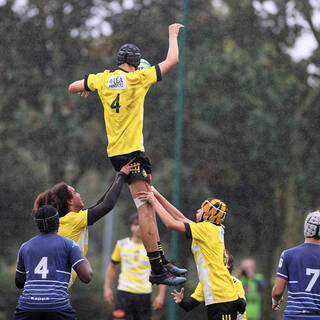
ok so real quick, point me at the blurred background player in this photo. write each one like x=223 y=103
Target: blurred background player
x=207 y=234
x=133 y=296
x=197 y=296
x=299 y=269
x=44 y=269
x=122 y=93
x=254 y=284
x=74 y=218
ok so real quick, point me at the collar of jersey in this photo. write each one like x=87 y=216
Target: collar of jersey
x=122 y=70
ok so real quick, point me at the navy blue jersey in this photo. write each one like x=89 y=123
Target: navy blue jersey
x=300 y=266
x=47 y=260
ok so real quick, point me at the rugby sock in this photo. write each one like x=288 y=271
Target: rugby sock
x=155 y=262
x=163 y=258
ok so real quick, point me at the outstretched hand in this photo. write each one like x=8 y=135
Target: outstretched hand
x=130 y=167
x=174 y=29
x=177 y=295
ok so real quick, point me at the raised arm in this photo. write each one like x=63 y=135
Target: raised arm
x=171 y=209
x=172 y=58
x=166 y=218
x=109 y=199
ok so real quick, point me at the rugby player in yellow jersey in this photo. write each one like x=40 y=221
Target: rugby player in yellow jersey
x=122 y=94
x=207 y=234
x=133 y=295
x=74 y=219
x=197 y=296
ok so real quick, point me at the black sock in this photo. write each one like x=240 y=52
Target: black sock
x=163 y=258
x=155 y=262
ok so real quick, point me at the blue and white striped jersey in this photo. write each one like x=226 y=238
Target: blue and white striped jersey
x=47 y=260
x=300 y=266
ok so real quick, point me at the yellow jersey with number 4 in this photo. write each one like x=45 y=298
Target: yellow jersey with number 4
x=122 y=95
x=209 y=254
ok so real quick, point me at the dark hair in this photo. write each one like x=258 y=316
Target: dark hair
x=134 y=219
x=57 y=197
x=47 y=219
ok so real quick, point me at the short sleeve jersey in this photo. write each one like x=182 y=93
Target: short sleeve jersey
x=47 y=260
x=300 y=266
x=209 y=254
x=135 y=266
x=74 y=225
x=122 y=95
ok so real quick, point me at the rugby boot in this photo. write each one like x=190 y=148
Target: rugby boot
x=172 y=268
x=166 y=278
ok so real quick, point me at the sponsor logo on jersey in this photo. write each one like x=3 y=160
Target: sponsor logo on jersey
x=117 y=82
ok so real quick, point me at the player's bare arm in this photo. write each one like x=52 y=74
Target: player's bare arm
x=172 y=210
x=166 y=218
x=110 y=274
x=78 y=87
x=159 y=300
x=84 y=271
x=172 y=58
x=277 y=293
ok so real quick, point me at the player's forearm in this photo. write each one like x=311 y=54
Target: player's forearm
x=276 y=295
x=173 y=50
x=278 y=288
x=188 y=304
x=166 y=218
x=108 y=202
x=162 y=291
x=172 y=210
x=110 y=273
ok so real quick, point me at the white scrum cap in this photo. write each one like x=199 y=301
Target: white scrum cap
x=312 y=225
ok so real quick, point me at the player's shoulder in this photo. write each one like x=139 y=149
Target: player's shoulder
x=292 y=253
x=68 y=244
x=74 y=215
x=293 y=250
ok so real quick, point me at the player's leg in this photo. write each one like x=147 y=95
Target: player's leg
x=150 y=237
x=169 y=265
x=148 y=225
x=142 y=306
x=121 y=310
